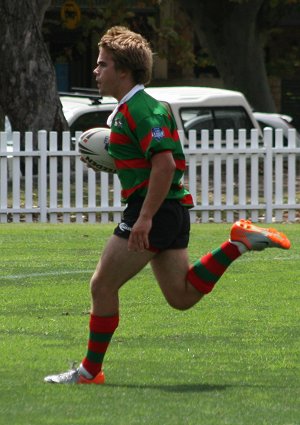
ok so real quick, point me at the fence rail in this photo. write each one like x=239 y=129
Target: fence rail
x=228 y=179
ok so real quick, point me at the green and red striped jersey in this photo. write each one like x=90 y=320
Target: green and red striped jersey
x=141 y=128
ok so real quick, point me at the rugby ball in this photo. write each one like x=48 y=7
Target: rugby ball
x=93 y=147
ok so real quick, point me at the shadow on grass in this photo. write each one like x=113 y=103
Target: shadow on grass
x=183 y=388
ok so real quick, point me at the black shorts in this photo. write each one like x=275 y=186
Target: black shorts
x=170 y=225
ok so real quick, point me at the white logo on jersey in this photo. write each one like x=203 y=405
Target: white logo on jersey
x=123 y=227
x=118 y=123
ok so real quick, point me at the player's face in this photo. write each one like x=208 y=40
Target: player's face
x=107 y=77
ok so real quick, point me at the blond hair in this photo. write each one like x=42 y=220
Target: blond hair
x=129 y=50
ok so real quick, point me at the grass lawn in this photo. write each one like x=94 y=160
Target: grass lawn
x=233 y=359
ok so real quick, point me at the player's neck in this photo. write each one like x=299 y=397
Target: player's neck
x=126 y=84
x=133 y=90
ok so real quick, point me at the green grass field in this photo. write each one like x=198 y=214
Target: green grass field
x=233 y=359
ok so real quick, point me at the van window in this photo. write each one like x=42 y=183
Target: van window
x=212 y=118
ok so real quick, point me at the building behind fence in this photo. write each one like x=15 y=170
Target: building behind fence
x=228 y=179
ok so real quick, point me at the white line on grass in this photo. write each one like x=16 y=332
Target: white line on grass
x=41 y=274
x=54 y=273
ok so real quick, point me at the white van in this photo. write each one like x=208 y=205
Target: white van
x=205 y=108
x=194 y=108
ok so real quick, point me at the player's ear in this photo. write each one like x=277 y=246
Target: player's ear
x=125 y=73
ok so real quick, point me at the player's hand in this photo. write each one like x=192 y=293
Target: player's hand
x=139 y=235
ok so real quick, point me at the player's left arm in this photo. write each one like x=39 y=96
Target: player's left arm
x=161 y=177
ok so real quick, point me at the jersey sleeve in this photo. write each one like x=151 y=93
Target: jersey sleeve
x=157 y=133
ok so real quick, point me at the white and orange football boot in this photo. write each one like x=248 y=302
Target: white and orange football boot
x=258 y=238
x=73 y=376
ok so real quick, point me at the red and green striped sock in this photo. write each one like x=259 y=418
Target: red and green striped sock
x=205 y=273
x=101 y=332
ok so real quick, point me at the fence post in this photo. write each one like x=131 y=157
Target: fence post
x=292 y=173
x=268 y=181
x=16 y=176
x=193 y=172
x=28 y=175
x=66 y=169
x=3 y=177
x=42 y=185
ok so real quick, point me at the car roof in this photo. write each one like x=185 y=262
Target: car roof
x=73 y=102
x=181 y=94
x=277 y=121
x=189 y=94
x=272 y=120
x=275 y=118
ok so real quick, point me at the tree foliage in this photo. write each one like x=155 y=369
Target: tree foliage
x=235 y=32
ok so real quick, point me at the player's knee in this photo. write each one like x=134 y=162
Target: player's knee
x=179 y=304
x=98 y=289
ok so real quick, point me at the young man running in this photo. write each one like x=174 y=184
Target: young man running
x=155 y=226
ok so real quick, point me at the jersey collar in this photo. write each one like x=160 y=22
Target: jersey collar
x=124 y=99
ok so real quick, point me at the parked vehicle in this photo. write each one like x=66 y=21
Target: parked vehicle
x=85 y=110
x=194 y=108
x=206 y=108
x=277 y=121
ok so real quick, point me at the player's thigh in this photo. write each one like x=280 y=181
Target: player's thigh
x=117 y=265
x=170 y=268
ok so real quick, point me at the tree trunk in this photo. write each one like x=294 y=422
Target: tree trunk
x=231 y=34
x=28 y=94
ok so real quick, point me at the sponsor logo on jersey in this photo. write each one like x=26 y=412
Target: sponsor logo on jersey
x=158 y=133
x=123 y=227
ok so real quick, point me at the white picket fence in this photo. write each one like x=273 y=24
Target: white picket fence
x=228 y=180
